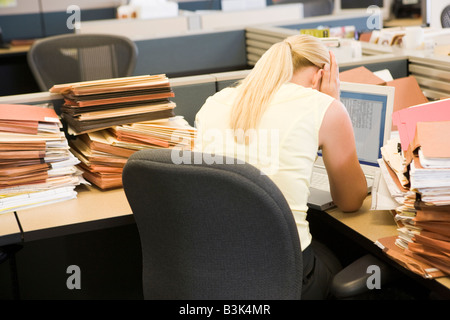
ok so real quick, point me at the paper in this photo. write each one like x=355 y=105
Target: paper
x=406 y=119
x=381 y=195
x=433 y=138
x=360 y=75
x=407 y=94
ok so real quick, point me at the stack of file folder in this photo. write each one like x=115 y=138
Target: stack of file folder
x=95 y=105
x=36 y=166
x=103 y=153
x=416 y=167
x=111 y=119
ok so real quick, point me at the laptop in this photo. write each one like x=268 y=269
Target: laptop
x=370 y=108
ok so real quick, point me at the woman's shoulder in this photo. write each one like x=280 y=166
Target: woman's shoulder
x=292 y=92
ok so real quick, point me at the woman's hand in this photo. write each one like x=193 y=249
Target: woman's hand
x=330 y=78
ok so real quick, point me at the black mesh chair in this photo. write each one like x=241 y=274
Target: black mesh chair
x=81 y=57
x=211 y=231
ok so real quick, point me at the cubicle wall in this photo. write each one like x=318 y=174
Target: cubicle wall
x=190 y=92
x=30 y=19
x=433 y=75
x=180 y=53
x=261 y=38
x=192 y=54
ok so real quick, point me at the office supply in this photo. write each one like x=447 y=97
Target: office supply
x=360 y=75
x=407 y=93
x=370 y=109
x=36 y=166
x=28 y=119
x=406 y=119
x=423 y=239
x=433 y=139
x=430 y=162
x=80 y=57
x=94 y=105
x=104 y=153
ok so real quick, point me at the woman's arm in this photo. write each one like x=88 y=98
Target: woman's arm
x=336 y=138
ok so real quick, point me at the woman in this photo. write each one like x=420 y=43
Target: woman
x=287 y=109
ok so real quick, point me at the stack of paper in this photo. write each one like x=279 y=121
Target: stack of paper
x=95 y=105
x=104 y=153
x=417 y=168
x=111 y=119
x=36 y=166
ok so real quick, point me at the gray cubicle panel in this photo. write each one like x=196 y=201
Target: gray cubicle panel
x=35 y=99
x=226 y=79
x=193 y=53
x=397 y=67
x=191 y=93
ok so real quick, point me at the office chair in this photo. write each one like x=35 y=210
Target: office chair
x=211 y=231
x=81 y=57
x=220 y=231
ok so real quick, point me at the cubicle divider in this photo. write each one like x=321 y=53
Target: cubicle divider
x=433 y=75
x=188 y=21
x=261 y=38
x=190 y=92
x=193 y=53
x=180 y=53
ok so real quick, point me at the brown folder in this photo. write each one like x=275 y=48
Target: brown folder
x=20 y=112
x=433 y=213
x=414 y=264
x=407 y=94
x=433 y=138
x=360 y=75
x=97 y=141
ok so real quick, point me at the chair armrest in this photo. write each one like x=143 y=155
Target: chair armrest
x=352 y=280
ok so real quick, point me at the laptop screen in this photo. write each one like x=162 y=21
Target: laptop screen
x=370 y=109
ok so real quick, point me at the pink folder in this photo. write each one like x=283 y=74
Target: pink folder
x=406 y=119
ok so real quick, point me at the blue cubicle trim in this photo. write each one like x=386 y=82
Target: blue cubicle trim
x=192 y=54
x=39 y=25
x=205 y=5
x=360 y=24
x=21 y=26
x=55 y=22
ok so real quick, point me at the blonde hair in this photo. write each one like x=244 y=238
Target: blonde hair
x=276 y=67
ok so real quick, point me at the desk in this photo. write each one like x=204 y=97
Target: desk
x=93 y=209
x=96 y=210
x=366 y=226
x=14 y=50
x=9 y=229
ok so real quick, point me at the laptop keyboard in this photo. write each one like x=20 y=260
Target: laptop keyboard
x=320 y=181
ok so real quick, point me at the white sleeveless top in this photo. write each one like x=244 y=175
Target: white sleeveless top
x=284 y=146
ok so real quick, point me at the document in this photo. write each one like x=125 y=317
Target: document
x=360 y=75
x=406 y=119
x=407 y=93
x=95 y=105
x=35 y=161
x=433 y=141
